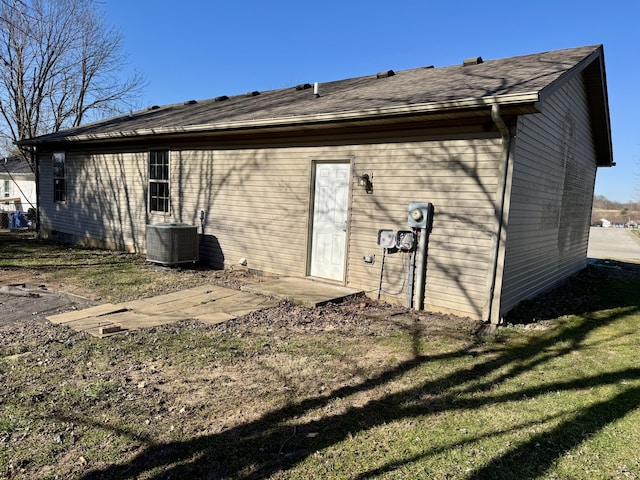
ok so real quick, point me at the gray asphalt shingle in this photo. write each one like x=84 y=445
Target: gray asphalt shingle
x=419 y=86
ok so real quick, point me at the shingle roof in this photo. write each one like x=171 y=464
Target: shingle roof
x=15 y=166
x=508 y=81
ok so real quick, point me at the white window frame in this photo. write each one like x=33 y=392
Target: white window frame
x=58 y=161
x=159 y=196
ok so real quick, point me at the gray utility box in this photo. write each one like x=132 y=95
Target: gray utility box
x=172 y=243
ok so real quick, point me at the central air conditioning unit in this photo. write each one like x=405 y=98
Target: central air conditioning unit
x=172 y=243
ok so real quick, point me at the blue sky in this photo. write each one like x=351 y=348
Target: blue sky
x=197 y=49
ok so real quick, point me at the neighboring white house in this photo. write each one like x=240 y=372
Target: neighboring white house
x=17 y=185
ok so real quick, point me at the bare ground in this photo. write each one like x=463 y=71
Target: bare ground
x=192 y=388
x=25 y=302
x=195 y=387
x=26 y=297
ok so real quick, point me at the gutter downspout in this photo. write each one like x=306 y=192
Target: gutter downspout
x=499 y=212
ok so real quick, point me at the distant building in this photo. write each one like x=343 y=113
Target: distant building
x=17 y=185
x=605 y=222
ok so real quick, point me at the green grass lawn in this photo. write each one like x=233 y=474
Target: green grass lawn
x=104 y=274
x=554 y=399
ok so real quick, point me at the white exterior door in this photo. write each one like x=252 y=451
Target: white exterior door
x=328 y=240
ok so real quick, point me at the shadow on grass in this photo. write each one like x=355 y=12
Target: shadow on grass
x=533 y=458
x=273 y=444
x=584 y=292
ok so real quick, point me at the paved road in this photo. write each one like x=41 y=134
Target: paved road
x=613 y=244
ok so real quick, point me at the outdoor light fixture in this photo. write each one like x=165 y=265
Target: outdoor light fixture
x=364 y=180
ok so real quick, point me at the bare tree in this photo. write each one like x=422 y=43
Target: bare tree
x=60 y=66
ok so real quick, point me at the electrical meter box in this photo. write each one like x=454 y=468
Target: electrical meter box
x=405 y=240
x=387 y=238
x=419 y=214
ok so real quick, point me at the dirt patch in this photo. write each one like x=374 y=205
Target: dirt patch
x=21 y=302
x=92 y=404
x=25 y=298
x=271 y=386
x=583 y=292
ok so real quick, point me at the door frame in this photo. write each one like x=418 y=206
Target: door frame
x=313 y=163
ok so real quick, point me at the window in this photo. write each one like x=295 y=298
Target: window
x=59 y=180
x=7 y=188
x=159 y=181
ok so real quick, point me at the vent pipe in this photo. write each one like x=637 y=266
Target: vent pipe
x=316 y=90
x=472 y=61
x=385 y=74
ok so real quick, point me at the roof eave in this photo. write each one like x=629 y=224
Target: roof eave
x=596 y=84
x=529 y=99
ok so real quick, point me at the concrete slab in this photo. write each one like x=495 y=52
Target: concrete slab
x=90 y=325
x=302 y=291
x=208 y=304
x=97 y=311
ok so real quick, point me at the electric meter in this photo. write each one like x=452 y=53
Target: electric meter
x=419 y=215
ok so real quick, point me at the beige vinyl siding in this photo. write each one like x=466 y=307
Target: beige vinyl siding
x=459 y=178
x=256 y=207
x=553 y=179
x=261 y=211
x=257 y=203
x=105 y=201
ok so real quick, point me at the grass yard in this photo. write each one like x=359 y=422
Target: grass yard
x=355 y=391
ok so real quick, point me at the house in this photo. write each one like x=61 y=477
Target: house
x=17 y=185
x=299 y=181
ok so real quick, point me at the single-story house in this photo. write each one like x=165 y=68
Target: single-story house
x=299 y=181
x=17 y=185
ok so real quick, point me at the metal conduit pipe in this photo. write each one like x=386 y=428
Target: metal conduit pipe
x=412 y=270
x=421 y=268
x=499 y=208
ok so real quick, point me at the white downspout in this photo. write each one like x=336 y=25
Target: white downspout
x=503 y=170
